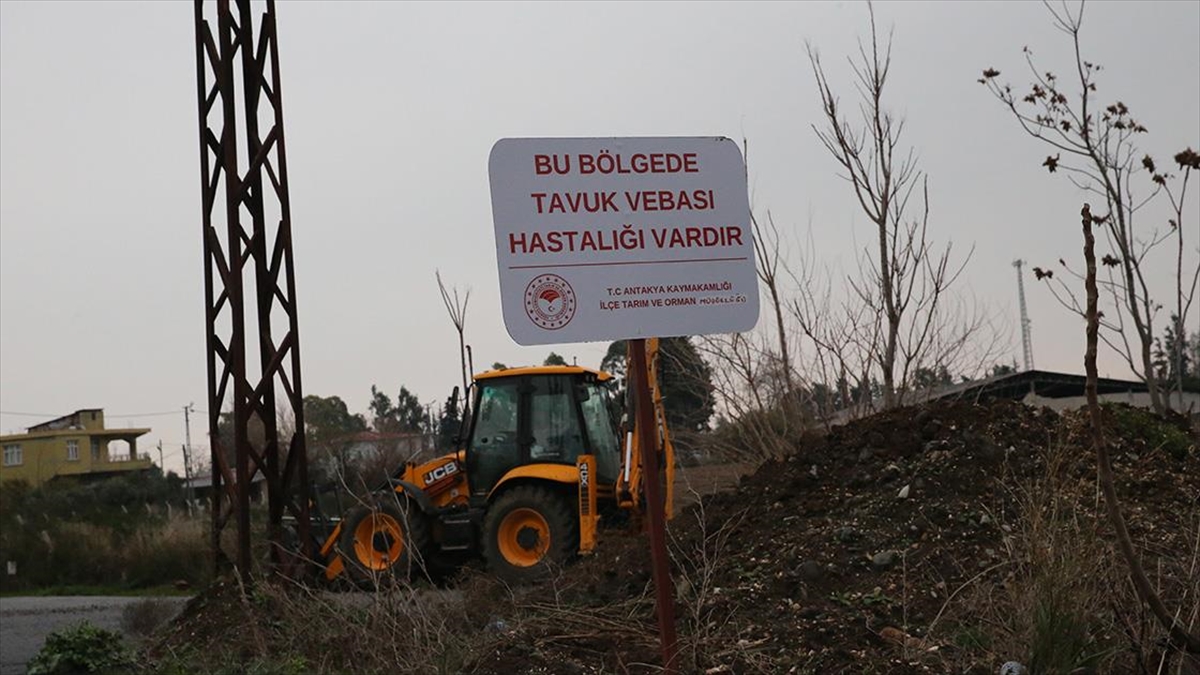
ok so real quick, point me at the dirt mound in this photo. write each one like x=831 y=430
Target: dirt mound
x=859 y=552
x=211 y=617
x=943 y=539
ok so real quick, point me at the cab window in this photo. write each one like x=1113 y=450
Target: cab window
x=554 y=434
x=597 y=417
x=494 y=448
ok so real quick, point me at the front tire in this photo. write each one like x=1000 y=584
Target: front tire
x=528 y=531
x=383 y=540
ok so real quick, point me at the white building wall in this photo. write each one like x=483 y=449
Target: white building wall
x=1190 y=401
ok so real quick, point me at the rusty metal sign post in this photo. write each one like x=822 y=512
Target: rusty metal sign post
x=246 y=401
x=647 y=430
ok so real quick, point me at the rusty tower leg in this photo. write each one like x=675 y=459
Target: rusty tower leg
x=255 y=244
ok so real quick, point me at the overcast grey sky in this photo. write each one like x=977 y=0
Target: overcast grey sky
x=390 y=112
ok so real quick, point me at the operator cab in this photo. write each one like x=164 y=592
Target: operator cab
x=540 y=415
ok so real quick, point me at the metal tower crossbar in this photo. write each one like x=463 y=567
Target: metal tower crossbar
x=246 y=401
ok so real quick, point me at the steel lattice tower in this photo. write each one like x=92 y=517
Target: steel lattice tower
x=1026 y=337
x=249 y=270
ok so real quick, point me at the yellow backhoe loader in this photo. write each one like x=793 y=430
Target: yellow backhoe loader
x=542 y=459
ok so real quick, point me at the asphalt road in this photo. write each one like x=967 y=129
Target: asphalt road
x=25 y=622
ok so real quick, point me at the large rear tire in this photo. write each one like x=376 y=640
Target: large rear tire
x=529 y=531
x=384 y=540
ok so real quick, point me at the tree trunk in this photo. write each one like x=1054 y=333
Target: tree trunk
x=1179 y=635
x=1156 y=398
x=889 y=307
x=785 y=360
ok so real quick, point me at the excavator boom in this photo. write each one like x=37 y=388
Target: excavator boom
x=630 y=488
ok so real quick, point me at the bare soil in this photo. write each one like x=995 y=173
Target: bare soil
x=827 y=568
x=876 y=548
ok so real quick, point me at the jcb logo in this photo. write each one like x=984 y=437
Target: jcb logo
x=441 y=472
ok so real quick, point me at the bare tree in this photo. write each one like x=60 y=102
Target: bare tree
x=753 y=382
x=1095 y=149
x=750 y=395
x=735 y=366
x=839 y=352
x=842 y=337
x=457 y=309
x=903 y=280
x=769 y=257
x=1177 y=631
x=1188 y=161
x=766 y=250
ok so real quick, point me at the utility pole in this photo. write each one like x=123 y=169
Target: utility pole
x=187 y=442
x=1026 y=336
x=161 y=467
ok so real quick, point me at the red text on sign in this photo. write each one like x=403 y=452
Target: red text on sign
x=625 y=238
x=606 y=202
x=638 y=163
x=606 y=162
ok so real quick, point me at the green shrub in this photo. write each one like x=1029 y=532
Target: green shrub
x=1137 y=423
x=1063 y=636
x=82 y=648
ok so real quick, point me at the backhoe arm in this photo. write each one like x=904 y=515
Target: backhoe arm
x=630 y=489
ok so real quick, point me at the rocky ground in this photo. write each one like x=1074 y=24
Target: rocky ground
x=897 y=544
x=946 y=539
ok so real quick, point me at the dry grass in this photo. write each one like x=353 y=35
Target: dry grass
x=142 y=618
x=158 y=552
x=703 y=626
x=176 y=550
x=1061 y=600
x=285 y=627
